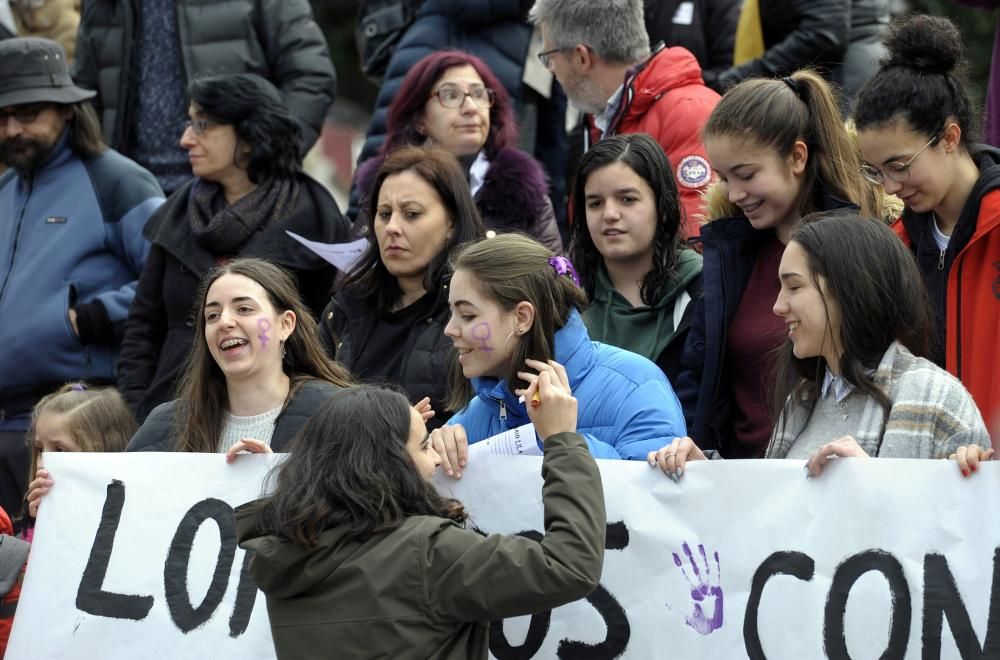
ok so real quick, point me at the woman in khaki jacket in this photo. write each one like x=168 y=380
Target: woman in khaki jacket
x=360 y=557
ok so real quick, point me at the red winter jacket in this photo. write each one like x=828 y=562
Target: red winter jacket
x=666 y=97
x=972 y=312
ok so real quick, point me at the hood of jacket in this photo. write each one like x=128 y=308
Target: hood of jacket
x=987 y=159
x=665 y=69
x=574 y=350
x=646 y=330
x=285 y=569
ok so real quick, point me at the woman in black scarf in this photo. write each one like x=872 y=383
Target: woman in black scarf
x=248 y=190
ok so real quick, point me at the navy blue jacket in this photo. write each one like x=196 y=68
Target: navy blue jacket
x=495 y=31
x=730 y=247
x=626 y=406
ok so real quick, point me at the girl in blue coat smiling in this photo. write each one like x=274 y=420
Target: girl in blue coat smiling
x=515 y=311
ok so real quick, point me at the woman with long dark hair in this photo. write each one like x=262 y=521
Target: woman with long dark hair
x=258 y=370
x=916 y=130
x=357 y=552
x=515 y=313
x=628 y=249
x=248 y=190
x=386 y=323
x=851 y=379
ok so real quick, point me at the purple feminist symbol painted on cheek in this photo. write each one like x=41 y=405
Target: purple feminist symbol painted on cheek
x=702 y=592
x=482 y=332
x=263 y=325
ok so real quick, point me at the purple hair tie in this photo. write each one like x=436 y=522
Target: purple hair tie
x=77 y=387
x=564 y=266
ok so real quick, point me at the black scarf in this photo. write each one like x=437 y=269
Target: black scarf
x=223 y=228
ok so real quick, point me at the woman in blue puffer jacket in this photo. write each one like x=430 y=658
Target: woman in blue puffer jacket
x=515 y=311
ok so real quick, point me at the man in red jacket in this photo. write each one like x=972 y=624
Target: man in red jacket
x=599 y=52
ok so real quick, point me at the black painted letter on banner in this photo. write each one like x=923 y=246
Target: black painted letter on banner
x=942 y=599
x=246 y=595
x=852 y=568
x=796 y=564
x=175 y=569
x=91 y=596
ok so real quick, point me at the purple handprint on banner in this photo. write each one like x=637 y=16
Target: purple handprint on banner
x=703 y=593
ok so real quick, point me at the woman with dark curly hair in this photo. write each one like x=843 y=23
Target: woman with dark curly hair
x=248 y=190
x=628 y=248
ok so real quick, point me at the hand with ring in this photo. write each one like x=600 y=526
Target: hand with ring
x=673 y=457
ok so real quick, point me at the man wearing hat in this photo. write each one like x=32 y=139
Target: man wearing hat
x=72 y=213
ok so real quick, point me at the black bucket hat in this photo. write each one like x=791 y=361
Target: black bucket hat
x=34 y=70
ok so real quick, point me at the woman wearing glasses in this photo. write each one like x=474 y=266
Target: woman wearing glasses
x=452 y=100
x=248 y=189
x=915 y=124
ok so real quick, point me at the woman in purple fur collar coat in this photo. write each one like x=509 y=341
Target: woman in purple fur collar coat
x=453 y=100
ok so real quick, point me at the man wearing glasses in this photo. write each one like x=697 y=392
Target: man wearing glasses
x=599 y=52
x=72 y=213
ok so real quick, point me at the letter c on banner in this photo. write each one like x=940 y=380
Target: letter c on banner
x=796 y=564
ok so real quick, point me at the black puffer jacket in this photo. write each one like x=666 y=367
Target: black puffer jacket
x=707 y=28
x=161 y=321
x=159 y=431
x=427 y=356
x=797 y=33
x=276 y=39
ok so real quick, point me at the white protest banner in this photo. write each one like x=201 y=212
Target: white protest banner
x=135 y=556
x=742 y=559
x=875 y=559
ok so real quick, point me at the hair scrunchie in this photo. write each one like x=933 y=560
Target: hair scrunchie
x=564 y=267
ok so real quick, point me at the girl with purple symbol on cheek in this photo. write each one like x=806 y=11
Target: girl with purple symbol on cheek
x=257 y=374
x=515 y=314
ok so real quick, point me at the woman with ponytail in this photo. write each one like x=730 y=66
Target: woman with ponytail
x=781 y=151
x=916 y=133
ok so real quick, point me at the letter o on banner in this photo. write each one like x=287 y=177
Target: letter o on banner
x=175 y=569
x=852 y=568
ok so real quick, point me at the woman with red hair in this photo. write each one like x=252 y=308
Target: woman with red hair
x=451 y=99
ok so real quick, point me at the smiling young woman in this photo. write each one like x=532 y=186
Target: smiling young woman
x=852 y=380
x=781 y=151
x=258 y=371
x=916 y=132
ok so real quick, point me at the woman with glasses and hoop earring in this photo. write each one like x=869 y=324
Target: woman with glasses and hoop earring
x=915 y=128
x=452 y=100
x=243 y=143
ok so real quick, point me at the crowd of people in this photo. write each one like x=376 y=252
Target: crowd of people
x=748 y=275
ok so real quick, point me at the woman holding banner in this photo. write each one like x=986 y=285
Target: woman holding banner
x=515 y=313
x=852 y=379
x=248 y=190
x=358 y=553
x=386 y=324
x=256 y=376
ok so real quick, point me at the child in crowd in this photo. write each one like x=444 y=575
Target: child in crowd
x=356 y=551
x=74 y=418
x=915 y=129
x=628 y=248
x=851 y=381
x=515 y=312
x=781 y=151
